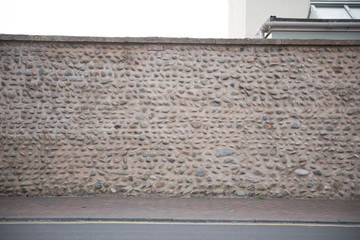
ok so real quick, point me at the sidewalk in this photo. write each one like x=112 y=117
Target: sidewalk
x=179 y=209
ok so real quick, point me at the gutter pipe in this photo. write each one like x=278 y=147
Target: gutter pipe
x=268 y=26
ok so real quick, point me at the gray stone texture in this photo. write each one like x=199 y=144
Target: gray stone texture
x=179 y=117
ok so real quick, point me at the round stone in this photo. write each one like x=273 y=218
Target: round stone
x=239 y=125
x=104 y=81
x=200 y=173
x=330 y=128
x=189 y=180
x=240 y=193
x=302 y=159
x=225 y=77
x=340 y=150
x=11 y=95
x=98 y=185
x=152 y=154
x=267 y=126
x=301 y=172
x=196 y=124
x=351 y=111
x=216 y=103
x=224 y=152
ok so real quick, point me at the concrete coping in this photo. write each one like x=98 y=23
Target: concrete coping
x=165 y=40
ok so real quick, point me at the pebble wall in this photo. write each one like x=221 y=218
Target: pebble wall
x=83 y=118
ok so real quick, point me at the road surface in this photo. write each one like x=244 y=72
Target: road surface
x=174 y=231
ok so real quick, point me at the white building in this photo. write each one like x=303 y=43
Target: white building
x=299 y=19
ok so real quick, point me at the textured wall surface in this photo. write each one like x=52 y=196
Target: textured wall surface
x=81 y=118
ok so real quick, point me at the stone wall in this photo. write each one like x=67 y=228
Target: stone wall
x=82 y=116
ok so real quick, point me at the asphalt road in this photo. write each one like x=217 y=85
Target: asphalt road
x=174 y=231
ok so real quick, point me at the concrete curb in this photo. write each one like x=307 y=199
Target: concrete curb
x=175 y=220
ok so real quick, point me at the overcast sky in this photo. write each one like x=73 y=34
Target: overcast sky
x=116 y=18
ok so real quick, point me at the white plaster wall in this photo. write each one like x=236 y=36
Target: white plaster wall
x=246 y=16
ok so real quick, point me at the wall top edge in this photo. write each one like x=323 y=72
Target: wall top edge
x=165 y=40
